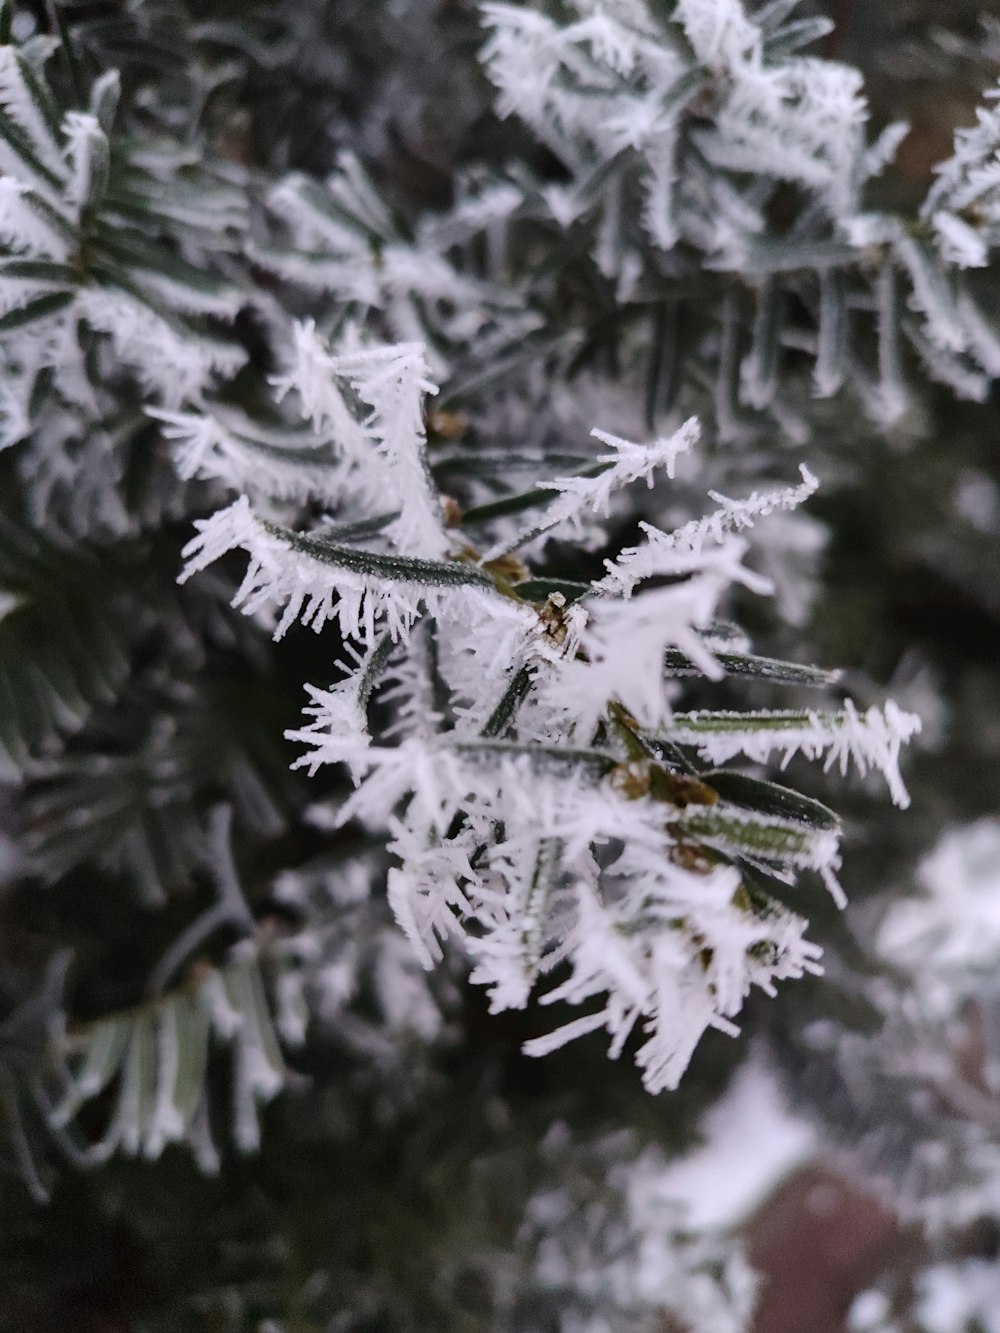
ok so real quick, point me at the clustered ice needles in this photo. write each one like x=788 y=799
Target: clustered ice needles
x=872 y=739
x=613 y=1248
x=609 y=82
x=534 y=815
x=627 y=462
x=50 y=176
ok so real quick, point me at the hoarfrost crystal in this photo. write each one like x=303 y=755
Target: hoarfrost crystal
x=535 y=818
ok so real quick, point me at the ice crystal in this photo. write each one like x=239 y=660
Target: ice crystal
x=534 y=819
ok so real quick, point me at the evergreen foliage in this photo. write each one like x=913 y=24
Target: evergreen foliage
x=592 y=380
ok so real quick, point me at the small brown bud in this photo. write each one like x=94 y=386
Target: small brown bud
x=451 y=511
x=447 y=425
x=632 y=779
x=508 y=568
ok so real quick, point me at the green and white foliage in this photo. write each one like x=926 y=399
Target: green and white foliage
x=155 y=1058
x=604 y=1245
x=540 y=795
x=540 y=759
x=505 y=347
x=915 y=1101
x=112 y=270
x=340 y=242
x=956 y=1296
x=137 y=1080
x=685 y=134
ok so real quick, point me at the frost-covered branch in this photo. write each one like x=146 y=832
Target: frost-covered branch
x=522 y=771
x=679 y=551
x=591 y=493
x=871 y=740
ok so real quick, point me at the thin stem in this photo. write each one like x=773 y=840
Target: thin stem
x=230 y=909
x=22 y=1148
x=622 y=724
x=503 y=714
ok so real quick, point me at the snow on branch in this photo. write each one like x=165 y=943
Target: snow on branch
x=628 y=462
x=514 y=767
x=21 y=100
x=341 y=241
x=534 y=897
x=871 y=740
x=619 y=82
x=81 y=262
x=87 y=153
x=649 y=980
x=963 y=204
x=171 y=362
x=29 y=225
x=317 y=580
x=393 y=381
x=800 y=120
x=150 y=1064
x=679 y=551
x=226 y=445
x=338 y=732
x=624 y=644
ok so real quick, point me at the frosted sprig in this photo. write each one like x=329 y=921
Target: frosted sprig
x=626 y=463
x=871 y=740
x=584 y=495
x=531 y=816
x=174 y=367
x=338 y=732
x=228 y=446
x=97 y=282
x=624 y=643
x=964 y=201
x=538 y=895
x=393 y=381
x=801 y=120
x=151 y=1064
x=308 y=583
x=340 y=241
x=612 y=82
x=678 y=551
x=87 y=154
x=22 y=105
